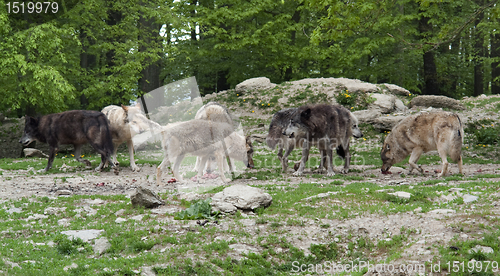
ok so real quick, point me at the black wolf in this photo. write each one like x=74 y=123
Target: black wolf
x=326 y=126
x=75 y=127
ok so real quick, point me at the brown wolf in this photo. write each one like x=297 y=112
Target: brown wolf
x=326 y=126
x=125 y=122
x=416 y=134
x=75 y=127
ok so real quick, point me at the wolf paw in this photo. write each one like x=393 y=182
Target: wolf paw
x=297 y=173
x=135 y=168
x=330 y=173
x=344 y=171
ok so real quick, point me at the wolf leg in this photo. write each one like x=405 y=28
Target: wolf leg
x=203 y=161
x=164 y=164
x=329 y=161
x=305 y=155
x=52 y=155
x=442 y=154
x=220 y=164
x=130 y=146
x=78 y=150
x=460 y=163
x=284 y=158
x=347 y=159
x=415 y=155
x=197 y=164
x=175 y=170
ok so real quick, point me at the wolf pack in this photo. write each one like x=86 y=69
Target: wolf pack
x=212 y=137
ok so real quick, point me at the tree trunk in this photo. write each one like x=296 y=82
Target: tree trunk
x=495 y=66
x=431 y=86
x=151 y=41
x=478 y=59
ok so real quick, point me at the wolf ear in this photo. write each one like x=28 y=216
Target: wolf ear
x=125 y=107
x=31 y=120
x=306 y=113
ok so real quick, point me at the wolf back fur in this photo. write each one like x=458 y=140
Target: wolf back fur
x=420 y=133
x=125 y=122
x=279 y=123
x=75 y=127
x=200 y=138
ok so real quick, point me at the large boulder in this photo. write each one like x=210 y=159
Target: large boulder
x=436 y=102
x=261 y=83
x=242 y=197
x=385 y=123
x=384 y=103
x=394 y=89
x=145 y=197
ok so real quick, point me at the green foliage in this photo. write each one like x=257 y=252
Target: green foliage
x=198 y=210
x=484 y=131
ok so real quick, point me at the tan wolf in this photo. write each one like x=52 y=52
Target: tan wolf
x=416 y=134
x=200 y=138
x=125 y=122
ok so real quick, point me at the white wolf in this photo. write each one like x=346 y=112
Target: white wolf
x=125 y=122
x=200 y=138
x=416 y=134
x=216 y=112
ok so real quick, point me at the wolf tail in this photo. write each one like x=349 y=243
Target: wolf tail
x=457 y=141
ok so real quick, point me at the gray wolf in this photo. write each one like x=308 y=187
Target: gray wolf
x=75 y=127
x=125 y=122
x=416 y=134
x=326 y=126
x=201 y=138
x=216 y=112
x=279 y=123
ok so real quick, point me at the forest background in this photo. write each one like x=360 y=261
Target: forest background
x=93 y=53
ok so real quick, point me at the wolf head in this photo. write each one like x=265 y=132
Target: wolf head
x=296 y=127
x=137 y=121
x=30 y=133
x=356 y=132
x=391 y=153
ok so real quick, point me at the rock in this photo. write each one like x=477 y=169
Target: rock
x=367 y=116
x=437 y=102
x=242 y=197
x=484 y=249
x=63 y=222
x=13 y=210
x=36 y=217
x=442 y=211
x=394 y=89
x=386 y=123
x=30 y=152
x=399 y=106
x=63 y=193
x=322 y=195
x=254 y=84
x=101 y=246
x=147 y=271
x=384 y=103
x=225 y=207
x=261 y=138
x=401 y=194
x=137 y=218
x=417 y=210
x=243 y=248
x=120 y=220
x=455 y=190
x=72 y=266
x=469 y=198
x=145 y=197
x=85 y=235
